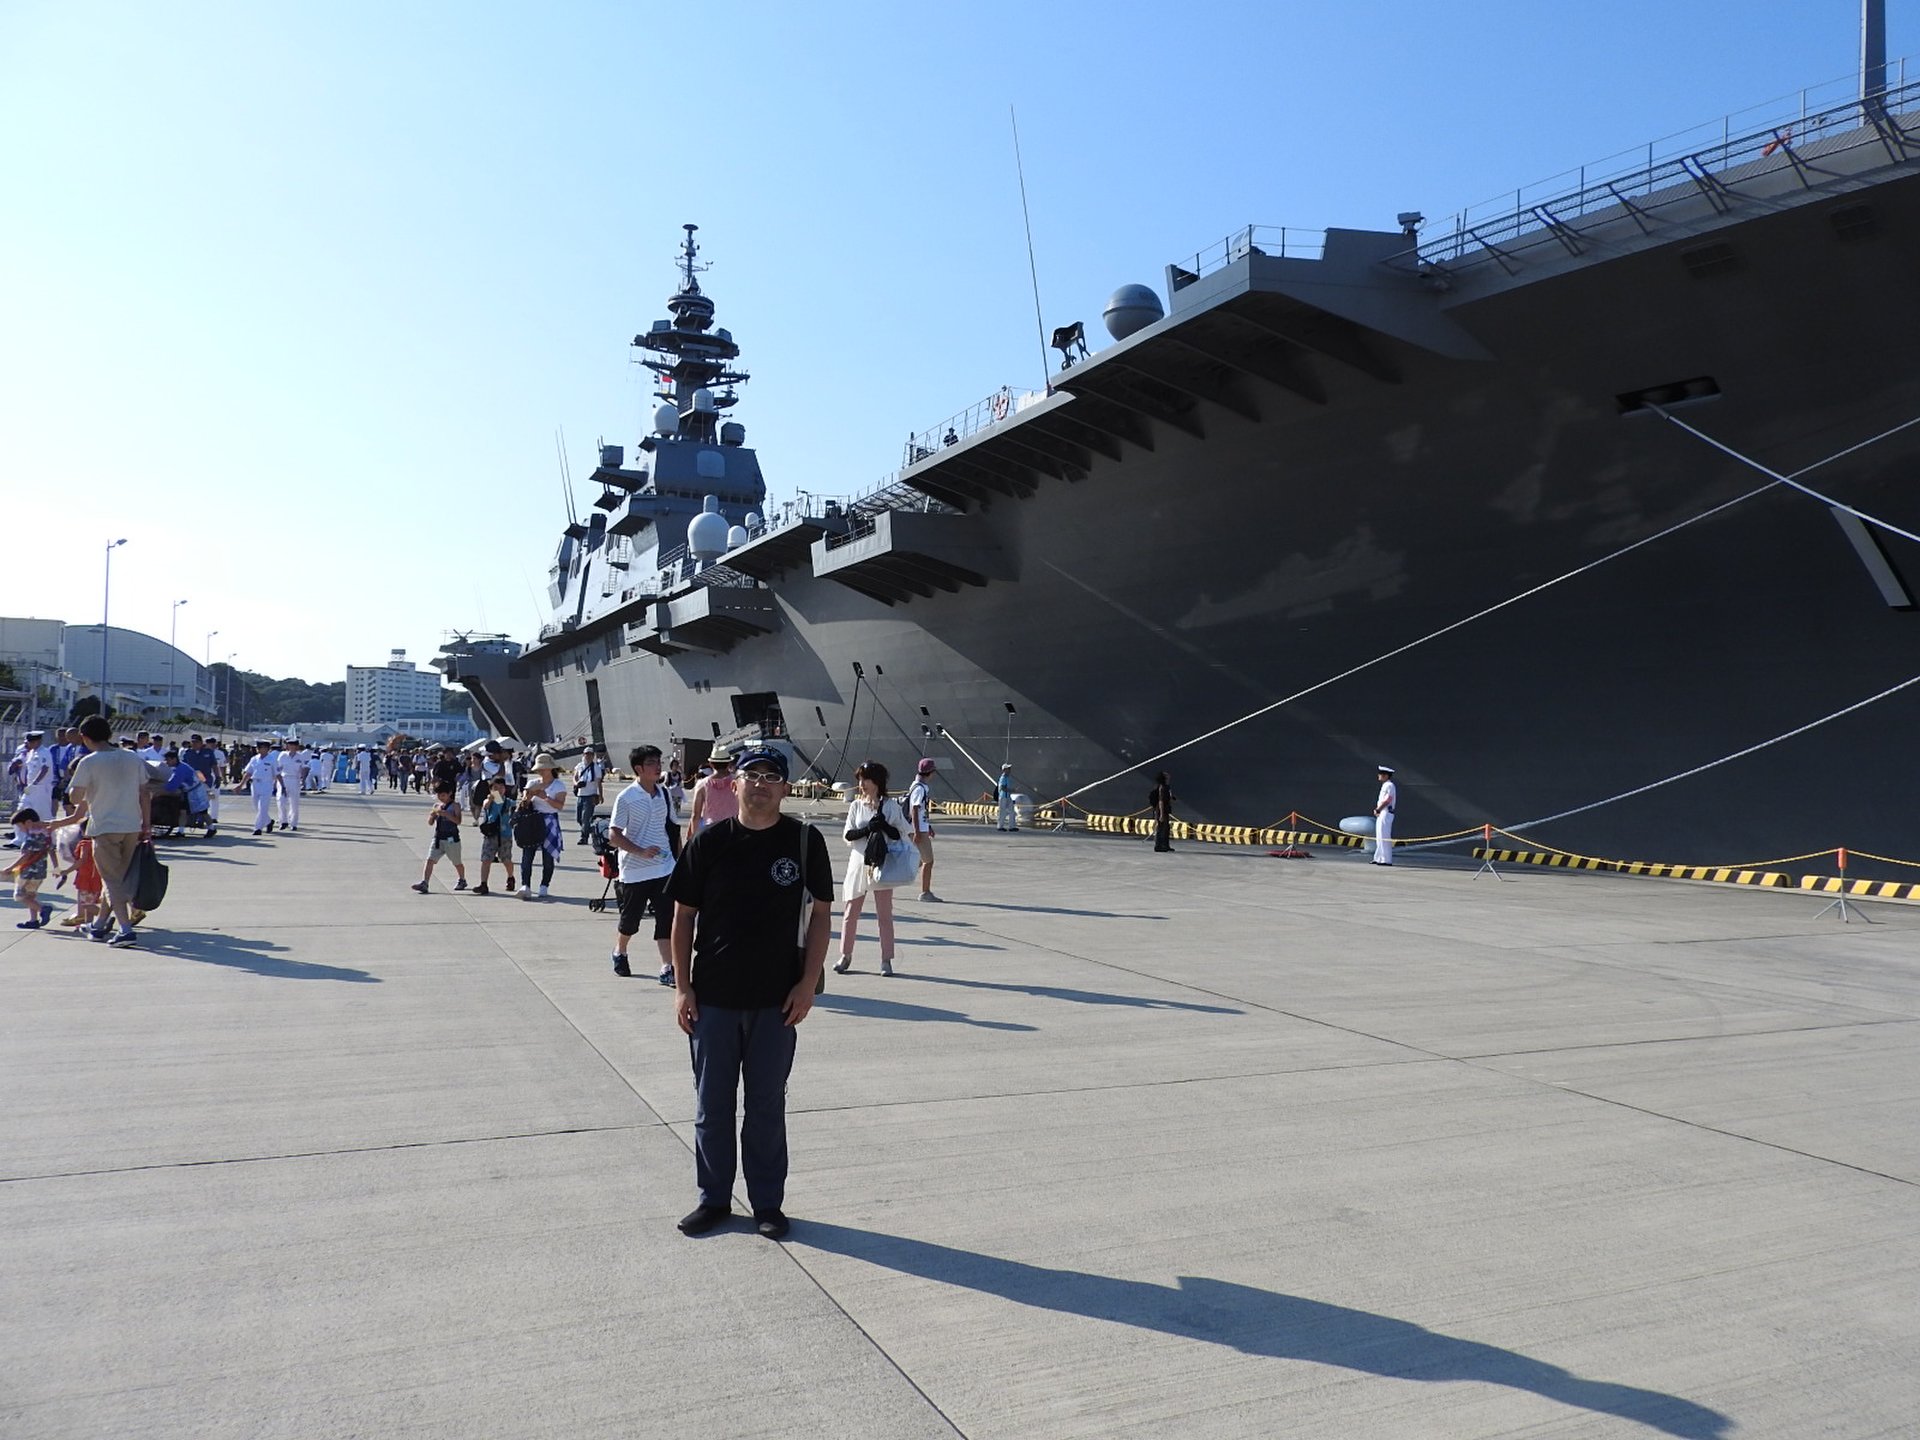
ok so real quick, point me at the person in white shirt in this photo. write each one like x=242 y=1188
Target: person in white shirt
x=260 y=773
x=638 y=835
x=1383 y=809
x=363 y=763
x=587 y=777
x=36 y=776
x=293 y=770
x=920 y=824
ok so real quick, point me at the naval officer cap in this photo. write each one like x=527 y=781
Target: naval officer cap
x=1383 y=769
x=36 y=734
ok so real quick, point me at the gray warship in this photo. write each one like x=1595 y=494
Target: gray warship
x=1313 y=458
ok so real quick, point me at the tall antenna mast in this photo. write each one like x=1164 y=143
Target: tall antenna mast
x=1873 y=49
x=566 y=480
x=1033 y=270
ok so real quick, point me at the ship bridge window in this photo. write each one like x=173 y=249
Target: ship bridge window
x=1674 y=392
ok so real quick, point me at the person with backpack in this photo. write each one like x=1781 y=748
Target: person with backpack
x=752 y=900
x=536 y=824
x=495 y=812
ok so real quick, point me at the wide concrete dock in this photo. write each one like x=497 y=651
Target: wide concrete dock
x=1198 y=1145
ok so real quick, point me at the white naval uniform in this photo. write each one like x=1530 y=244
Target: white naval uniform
x=36 y=783
x=292 y=768
x=365 y=763
x=260 y=771
x=1383 y=824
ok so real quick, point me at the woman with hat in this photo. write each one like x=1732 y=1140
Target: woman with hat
x=536 y=824
x=717 y=797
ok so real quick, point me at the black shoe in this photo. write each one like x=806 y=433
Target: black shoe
x=621 y=968
x=481 y=889
x=256 y=832
x=772 y=1224
x=269 y=827
x=703 y=1218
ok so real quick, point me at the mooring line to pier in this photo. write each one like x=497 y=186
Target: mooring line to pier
x=1774 y=478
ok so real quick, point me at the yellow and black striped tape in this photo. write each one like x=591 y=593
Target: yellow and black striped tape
x=1045 y=815
x=1717 y=873
x=1866 y=889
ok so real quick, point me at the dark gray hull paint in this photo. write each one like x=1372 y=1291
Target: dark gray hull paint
x=1170 y=592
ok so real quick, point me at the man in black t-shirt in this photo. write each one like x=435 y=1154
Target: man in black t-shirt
x=745 y=980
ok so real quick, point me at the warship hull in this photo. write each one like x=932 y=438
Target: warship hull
x=1310 y=464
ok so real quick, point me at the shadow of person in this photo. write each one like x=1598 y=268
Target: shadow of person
x=1262 y=1322
x=1078 y=997
x=257 y=957
x=874 y=1009
x=1053 y=910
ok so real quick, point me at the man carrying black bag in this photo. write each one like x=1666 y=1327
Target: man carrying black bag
x=742 y=892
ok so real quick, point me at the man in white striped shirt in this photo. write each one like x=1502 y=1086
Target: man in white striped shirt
x=638 y=834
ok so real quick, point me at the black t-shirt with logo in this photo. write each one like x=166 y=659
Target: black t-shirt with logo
x=746 y=884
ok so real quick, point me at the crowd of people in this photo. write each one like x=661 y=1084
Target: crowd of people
x=739 y=896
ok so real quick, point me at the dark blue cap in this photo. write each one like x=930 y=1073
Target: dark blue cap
x=763 y=756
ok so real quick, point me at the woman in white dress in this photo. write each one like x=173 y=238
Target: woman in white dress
x=872 y=808
x=545 y=795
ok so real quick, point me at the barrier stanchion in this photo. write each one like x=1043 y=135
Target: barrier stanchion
x=1840 y=902
x=1486 y=860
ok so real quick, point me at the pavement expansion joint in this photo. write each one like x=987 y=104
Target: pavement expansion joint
x=217 y=1160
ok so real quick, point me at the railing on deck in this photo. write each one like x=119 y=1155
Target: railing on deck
x=998 y=406
x=1821 y=120
x=1287 y=242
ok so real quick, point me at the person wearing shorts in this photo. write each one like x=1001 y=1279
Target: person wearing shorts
x=445 y=819
x=637 y=833
x=496 y=834
x=109 y=787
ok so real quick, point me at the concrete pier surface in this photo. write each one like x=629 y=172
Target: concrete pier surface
x=1202 y=1144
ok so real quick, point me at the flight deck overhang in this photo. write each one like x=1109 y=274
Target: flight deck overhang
x=787 y=548
x=894 y=555
x=709 y=618
x=1255 y=341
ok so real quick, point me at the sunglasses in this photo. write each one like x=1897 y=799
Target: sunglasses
x=757 y=777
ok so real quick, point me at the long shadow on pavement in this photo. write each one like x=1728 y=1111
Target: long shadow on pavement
x=1079 y=997
x=258 y=957
x=872 y=1009
x=1053 y=910
x=1263 y=1322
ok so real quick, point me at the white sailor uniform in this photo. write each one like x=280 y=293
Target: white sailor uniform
x=292 y=772
x=1383 y=823
x=260 y=771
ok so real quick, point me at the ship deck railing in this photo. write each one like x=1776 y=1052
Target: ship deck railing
x=998 y=405
x=1286 y=242
x=1799 y=130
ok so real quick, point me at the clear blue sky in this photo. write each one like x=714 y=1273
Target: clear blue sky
x=295 y=296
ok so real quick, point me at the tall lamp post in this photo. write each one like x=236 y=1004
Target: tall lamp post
x=209 y=669
x=226 y=710
x=106 y=605
x=173 y=650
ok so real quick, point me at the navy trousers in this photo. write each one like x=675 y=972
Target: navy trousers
x=728 y=1045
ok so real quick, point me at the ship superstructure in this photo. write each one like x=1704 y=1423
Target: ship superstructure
x=1332 y=448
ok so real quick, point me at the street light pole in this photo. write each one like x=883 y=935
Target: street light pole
x=173 y=649
x=209 y=669
x=226 y=709
x=106 y=605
